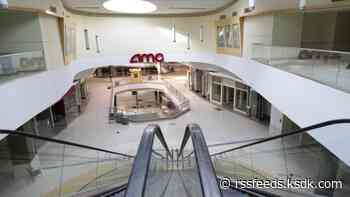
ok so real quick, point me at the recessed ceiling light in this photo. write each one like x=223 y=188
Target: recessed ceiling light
x=130 y=6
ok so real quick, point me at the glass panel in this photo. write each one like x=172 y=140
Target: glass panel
x=43 y=168
x=159 y=173
x=293 y=162
x=236 y=36
x=216 y=92
x=241 y=100
x=220 y=37
x=228 y=36
x=189 y=173
x=331 y=68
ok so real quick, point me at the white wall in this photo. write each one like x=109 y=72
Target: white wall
x=125 y=35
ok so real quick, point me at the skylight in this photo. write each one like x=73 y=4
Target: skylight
x=130 y=6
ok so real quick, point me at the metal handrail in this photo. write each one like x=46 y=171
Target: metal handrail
x=209 y=183
x=302 y=130
x=62 y=142
x=308 y=49
x=139 y=173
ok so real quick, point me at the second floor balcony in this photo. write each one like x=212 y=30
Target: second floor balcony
x=331 y=68
x=13 y=66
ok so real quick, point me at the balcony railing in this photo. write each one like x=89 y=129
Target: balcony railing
x=331 y=68
x=22 y=62
x=182 y=106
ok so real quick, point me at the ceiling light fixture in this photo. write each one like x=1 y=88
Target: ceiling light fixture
x=130 y=6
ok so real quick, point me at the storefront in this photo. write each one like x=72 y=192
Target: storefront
x=124 y=71
x=229 y=92
x=260 y=108
x=198 y=81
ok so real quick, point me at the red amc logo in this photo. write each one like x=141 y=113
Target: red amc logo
x=147 y=58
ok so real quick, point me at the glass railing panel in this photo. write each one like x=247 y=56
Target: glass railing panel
x=294 y=161
x=80 y=167
x=105 y=173
x=27 y=170
x=189 y=171
x=331 y=68
x=159 y=172
x=17 y=64
x=35 y=167
x=112 y=171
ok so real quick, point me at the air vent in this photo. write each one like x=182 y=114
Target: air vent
x=234 y=13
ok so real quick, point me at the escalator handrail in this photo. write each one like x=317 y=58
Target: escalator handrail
x=8 y=132
x=207 y=176
x=302 y=130
x=139 y=172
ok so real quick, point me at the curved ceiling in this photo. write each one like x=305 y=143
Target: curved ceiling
x=165 y=7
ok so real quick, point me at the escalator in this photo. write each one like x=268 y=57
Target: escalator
x=185 y=172
x=61 y=168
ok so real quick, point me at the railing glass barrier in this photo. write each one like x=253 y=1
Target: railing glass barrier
x=294 y=165
x=16 y=65
x=159 y=171
x=331 y=68
x=58 y=168
x=189 y=170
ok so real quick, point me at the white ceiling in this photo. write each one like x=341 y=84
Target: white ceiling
x=164 y=6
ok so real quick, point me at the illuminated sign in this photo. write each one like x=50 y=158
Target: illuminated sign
x=147 y=58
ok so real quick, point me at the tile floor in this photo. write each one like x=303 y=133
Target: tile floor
x=92 y=127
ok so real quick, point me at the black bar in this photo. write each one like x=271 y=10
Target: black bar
x=309 y=128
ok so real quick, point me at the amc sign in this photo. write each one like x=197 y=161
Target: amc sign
x=147 y=58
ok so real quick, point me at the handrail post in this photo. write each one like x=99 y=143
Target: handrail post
x=177 y=158
x=167 y=161
x=172 y=159
x=182 y=159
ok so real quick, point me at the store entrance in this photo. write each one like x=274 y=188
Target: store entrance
x=228 y=97
x=241 y=101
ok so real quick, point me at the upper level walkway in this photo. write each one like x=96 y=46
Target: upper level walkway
x=304 y=101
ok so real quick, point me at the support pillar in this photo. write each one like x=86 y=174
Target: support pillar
x=52 y=118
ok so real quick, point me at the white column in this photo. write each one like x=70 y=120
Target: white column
x=276 y=122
